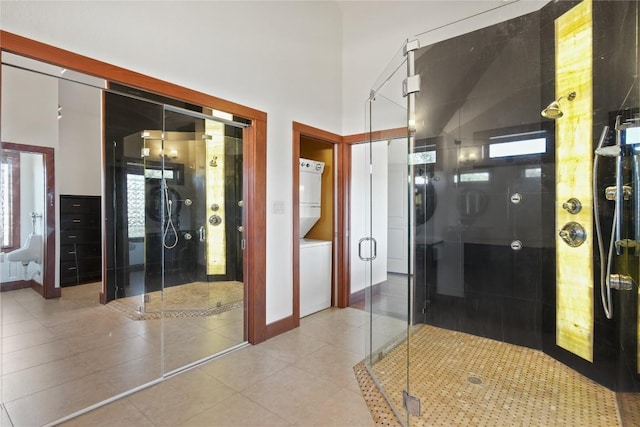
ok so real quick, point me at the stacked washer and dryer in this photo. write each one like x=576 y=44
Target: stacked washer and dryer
x=315 y=255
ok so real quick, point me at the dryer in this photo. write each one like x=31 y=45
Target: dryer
x=310 y=193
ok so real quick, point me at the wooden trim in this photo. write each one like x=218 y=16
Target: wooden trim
x=23 y=46
x=254 y=165
x=344 y=225
x=48 y=287
x=300 y=130
x=15 y=285
x=295 y=215
x=280 y=326
x=50 y=290
x=255 y=190
x=378 y=135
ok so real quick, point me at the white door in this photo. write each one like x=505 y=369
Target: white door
x=397 y=208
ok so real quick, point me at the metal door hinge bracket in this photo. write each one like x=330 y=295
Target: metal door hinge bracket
x=411 y=85
x=410 y=46
x=411 y=403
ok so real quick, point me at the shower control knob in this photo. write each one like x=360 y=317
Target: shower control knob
x=573 y=234
x=215 y=207
x=516 y=198
x=240 y=229
x=573 y=206
x=215 y=220
x=187 y=236
x=240 y=203
x=516 y=245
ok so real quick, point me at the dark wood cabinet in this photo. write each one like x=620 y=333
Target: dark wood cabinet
x=80 y=237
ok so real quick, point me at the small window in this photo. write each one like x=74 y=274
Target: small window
x=523 y=147
x=135 y=205
x=10 y=199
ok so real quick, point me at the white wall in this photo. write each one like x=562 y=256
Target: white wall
x=79 y=157
x=283 y=58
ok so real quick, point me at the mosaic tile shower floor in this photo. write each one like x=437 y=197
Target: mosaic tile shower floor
x=465 y=380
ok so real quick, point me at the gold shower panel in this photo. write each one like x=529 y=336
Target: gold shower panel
x=574 y=265
x=215 y=198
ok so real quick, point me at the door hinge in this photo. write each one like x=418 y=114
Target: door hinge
x=411 y=403
x=411 y=85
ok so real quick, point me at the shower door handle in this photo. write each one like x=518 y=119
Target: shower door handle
x=375 y=249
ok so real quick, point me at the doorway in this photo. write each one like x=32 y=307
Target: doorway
x=325 y=147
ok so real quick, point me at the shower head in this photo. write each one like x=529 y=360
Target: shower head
x=553 y=111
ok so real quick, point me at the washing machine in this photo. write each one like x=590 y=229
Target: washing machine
x=315 y=276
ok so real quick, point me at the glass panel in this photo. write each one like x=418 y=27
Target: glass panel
x=501 y=267
x=103 y=338
x=201 y=204
x=384 y=261
x=64 y=351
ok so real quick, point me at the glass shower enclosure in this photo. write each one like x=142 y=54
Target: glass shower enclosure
x=506 y=286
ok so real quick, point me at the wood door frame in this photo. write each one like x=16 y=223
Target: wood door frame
x=340 y=224
x=48 y=288
x=255 y=166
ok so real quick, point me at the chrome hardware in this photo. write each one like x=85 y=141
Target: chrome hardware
x=573 y=205
x=187 y=236
x=215 y=207
x=240 y=229
x=627 y=243
x=621 y=282
x=516 y=245
x=239 y=203
x=215 y=220
x=188 y=202
x=573 y=234
x=375 y=249
x=610 y=192
x=411 y=85
x=202 y=234
x=411 y=403
x=516 y=198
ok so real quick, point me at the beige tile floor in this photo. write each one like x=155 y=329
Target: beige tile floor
x=301 y=378
x=59 y=356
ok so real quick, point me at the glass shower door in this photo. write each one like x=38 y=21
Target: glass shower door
x=384 y=250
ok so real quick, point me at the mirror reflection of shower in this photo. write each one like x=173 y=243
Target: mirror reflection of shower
x=169 y=227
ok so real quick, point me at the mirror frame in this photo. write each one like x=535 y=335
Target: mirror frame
x=254 y=169
x=48 y=289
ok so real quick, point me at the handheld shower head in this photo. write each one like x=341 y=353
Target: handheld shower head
x=553 y=111
x=609 y=151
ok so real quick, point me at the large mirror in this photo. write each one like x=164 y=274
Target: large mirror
x=128 y=269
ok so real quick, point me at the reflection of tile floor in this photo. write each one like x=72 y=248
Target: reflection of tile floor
x=64 y=354
x=467 y=380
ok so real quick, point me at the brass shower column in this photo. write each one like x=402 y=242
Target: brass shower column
x=574 y=264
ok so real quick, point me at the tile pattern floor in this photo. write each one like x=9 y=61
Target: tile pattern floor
x=62 y=355
x=301 y=378
x=472 y=381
